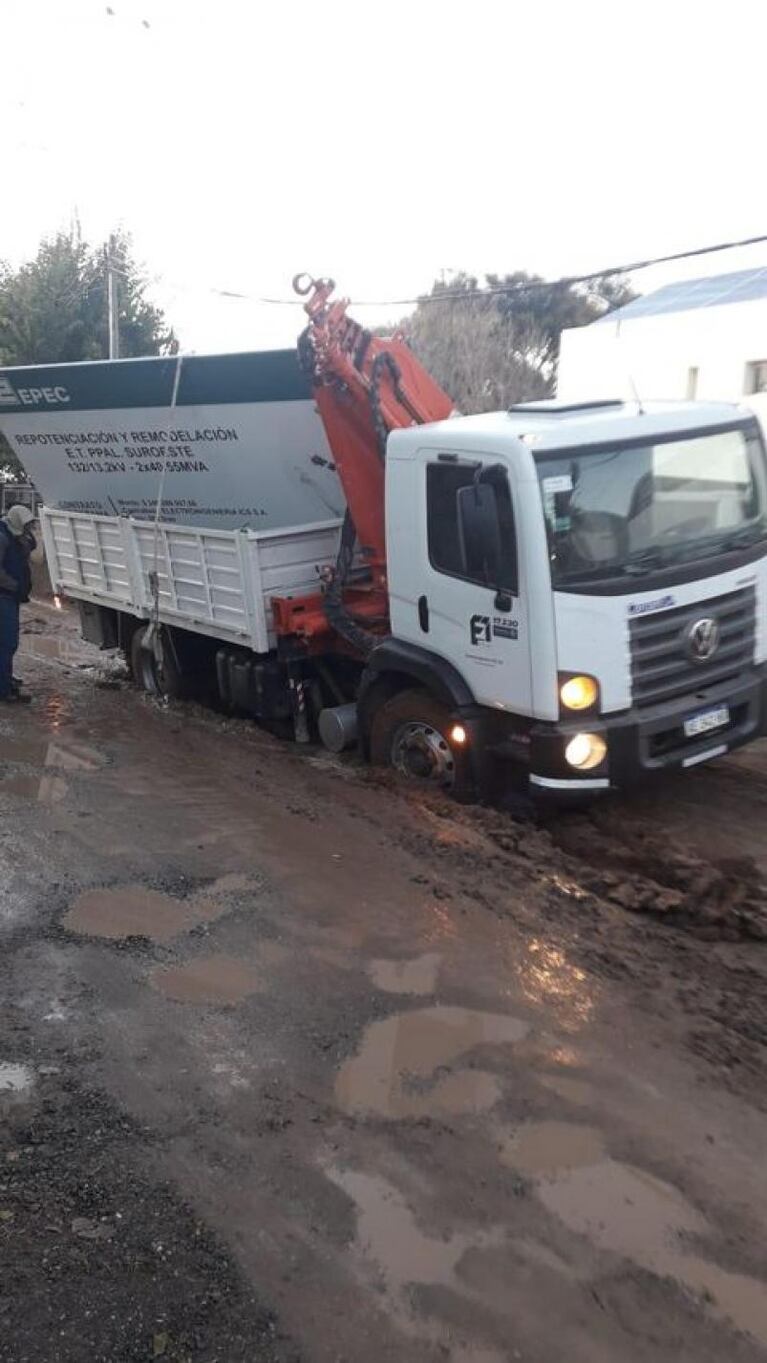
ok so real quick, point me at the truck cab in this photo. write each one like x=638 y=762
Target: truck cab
x=580 y=588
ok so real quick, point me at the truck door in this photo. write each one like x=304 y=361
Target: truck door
x=472 y=608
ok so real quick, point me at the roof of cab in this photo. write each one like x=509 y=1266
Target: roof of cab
x=552 y=425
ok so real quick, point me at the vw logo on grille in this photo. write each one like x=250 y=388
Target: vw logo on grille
x=703 y=639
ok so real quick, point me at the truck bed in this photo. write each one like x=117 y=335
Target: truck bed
x=214 y=582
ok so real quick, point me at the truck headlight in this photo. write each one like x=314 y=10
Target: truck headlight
x=578 y=692
x=585 y=751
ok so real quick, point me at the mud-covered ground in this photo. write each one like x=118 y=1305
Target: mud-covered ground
x=298 y=1065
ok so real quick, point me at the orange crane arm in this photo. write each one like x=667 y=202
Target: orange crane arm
x=364 y=387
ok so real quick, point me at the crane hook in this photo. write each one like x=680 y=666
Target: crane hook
x=304 y=283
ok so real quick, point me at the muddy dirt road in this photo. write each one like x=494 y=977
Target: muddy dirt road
x=296 y=1065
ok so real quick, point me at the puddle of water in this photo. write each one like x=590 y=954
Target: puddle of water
x=471 y=1354
x=69 y=651
x=390 y=1243
x=391 y=1247
x=622 y=1209
x=46 y=790
x=542 y=1256
x=626 y=1211
x=736 y=1296
x=39 y=752
x=129 y=911
x=134 y=911
x=563 y=1055
x=387 y=1233
x=572 y=1090
x=30 y=750
x=57 y=712
x=403 y=1066
x=74 y=757
x=443 y=926
x=208 y=979
x=548 y=978
x=417 y=976
x=15 y=1078
x=549 y=1146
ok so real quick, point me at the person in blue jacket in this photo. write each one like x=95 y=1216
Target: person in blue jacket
x=16 y=545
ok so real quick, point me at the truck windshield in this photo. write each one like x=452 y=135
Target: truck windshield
x=629 y=510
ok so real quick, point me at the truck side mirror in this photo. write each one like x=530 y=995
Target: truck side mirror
x=479 y=533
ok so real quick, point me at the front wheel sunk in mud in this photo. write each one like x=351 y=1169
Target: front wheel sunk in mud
x=155 y=669
x=411 y=733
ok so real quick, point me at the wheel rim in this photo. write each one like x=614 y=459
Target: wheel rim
x=422 y=753
x=153 y=677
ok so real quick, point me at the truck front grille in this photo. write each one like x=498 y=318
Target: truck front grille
x=661 y=666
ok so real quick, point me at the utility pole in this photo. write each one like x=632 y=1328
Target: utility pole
x=112 y=301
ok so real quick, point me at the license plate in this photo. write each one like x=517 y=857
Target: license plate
x=707 y=720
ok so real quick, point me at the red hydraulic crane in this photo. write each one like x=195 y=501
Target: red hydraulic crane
x=365 y=386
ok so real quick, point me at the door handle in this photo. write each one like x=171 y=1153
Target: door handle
x=423 y=614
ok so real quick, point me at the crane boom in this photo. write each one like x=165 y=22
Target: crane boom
x=365 y=386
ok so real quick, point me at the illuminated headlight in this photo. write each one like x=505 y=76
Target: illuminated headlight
x=458 y=734
x=579 y=693
x=585 y=751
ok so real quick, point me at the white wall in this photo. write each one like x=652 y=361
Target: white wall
x=652 y=356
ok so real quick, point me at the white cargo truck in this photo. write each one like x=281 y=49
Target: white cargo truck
x=553 y=600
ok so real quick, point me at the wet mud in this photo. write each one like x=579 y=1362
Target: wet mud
x=629 y=1212
x=44 y=790
x=298 y=1064
x=68 y=755
x=644 y=871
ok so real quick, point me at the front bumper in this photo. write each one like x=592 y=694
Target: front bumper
x=640 y=742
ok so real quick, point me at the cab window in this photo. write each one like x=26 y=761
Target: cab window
x=447 y=538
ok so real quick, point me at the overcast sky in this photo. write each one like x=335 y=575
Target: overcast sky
x=241 y=142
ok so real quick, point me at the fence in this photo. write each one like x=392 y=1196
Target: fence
x=18 y=494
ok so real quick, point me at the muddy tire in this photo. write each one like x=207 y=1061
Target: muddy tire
x=163 y=680
x=410 y=733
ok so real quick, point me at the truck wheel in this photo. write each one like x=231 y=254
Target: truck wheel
x=410 y=733
x=159 y=679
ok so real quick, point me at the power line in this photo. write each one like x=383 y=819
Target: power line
x=531 y=286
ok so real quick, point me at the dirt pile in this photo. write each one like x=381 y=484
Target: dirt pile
x=604 y=855
x=633 y=864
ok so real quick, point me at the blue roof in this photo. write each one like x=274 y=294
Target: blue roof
x=742 y=286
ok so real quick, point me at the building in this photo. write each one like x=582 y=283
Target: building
x=698 y=338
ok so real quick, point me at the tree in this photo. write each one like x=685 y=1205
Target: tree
x=497 y=349
x=54 y=309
